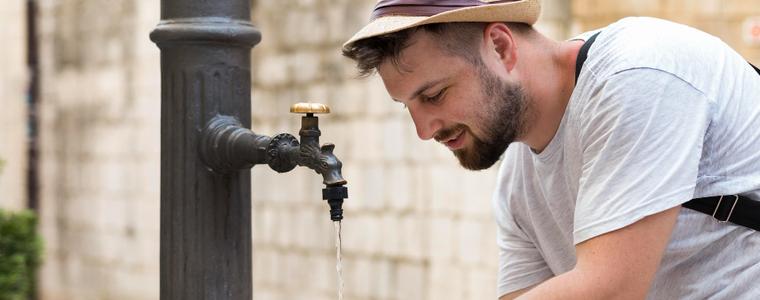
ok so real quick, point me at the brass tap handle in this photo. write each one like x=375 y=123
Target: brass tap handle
x=309 y=108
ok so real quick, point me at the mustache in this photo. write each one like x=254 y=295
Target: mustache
x=449 y=133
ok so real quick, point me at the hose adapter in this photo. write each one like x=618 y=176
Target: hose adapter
x=334 y=196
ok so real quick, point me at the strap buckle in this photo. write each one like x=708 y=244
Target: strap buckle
x=736 y=199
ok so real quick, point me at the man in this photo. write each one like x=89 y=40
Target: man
x=589 y=194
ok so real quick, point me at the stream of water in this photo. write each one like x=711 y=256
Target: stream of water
x=338 y=265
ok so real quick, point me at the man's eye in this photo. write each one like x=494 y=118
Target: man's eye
x=433 y=99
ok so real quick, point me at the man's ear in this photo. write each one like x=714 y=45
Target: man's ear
x=500 y=42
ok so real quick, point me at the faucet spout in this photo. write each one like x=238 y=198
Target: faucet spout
x=324 y=162
x=320 y=159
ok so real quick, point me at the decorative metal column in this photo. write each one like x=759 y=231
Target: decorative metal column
x=205 y=217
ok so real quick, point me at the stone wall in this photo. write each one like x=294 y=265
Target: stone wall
x=99 y=153
x=13 y=91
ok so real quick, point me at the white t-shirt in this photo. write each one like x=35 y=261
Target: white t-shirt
x=662 y=113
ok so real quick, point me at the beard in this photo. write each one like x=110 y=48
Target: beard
x=502 y=122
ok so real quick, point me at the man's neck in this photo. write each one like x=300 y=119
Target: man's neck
x=550 y=84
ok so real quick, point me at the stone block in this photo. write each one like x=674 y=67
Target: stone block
x=469 y=241
x=267 y=293
x=373 y=178
x=116 y=213
x=304 y=280
x=354 y=237
x=391 y=235
x=374 y=232
x=399 y=191
x=379 y=103
x=326 y=275
x=480 y=284
x=489 y=250
x=382 y=279
x=364 y=186
x=447 y=281
x=263 y=107
x=271 y=71
x=130 y=284
x=674 y=9
x=357 y=278
x=323 y=229
x=594 y=8
x=442 y=239
x=740 y=8
x=300 y=28
x=348 y=98
x=303 y=223
x=412 y=281
x=283 y=232
x=318 y=93
x=303 y=67
x=394 y=148
x=447 y=192
x=367 y=139
x=413 y=237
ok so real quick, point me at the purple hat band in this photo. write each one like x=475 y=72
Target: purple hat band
x=423 y=8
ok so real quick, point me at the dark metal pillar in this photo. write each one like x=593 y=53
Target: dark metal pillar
x=32 y=63
x=205 y=217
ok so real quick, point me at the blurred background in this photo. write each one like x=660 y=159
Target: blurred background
x=79 y=145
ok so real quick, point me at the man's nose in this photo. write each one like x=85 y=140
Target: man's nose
x=427 y=124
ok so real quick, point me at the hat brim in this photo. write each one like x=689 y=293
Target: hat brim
x=524 y=11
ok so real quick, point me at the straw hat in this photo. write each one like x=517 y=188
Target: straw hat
x=521 y=11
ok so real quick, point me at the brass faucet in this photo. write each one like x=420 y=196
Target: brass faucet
x=227 y=146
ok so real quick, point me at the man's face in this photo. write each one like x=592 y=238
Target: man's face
x=461 y=104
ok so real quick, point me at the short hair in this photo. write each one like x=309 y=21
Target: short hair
x=460 y=39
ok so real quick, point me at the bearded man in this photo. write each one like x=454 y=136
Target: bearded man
x=604 y=138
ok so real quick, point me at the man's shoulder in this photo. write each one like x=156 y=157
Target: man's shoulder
x=645 y=42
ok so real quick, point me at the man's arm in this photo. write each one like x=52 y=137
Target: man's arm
x=616 y=265
x=515 y=294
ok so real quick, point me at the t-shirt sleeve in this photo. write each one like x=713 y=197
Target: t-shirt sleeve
x=521 y=264
x=641 y=143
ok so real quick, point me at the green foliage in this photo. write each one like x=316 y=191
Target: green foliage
x=20 y=251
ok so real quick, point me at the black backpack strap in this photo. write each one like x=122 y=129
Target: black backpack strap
x=736 y=209
x=756 y=69
x=583 y=54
